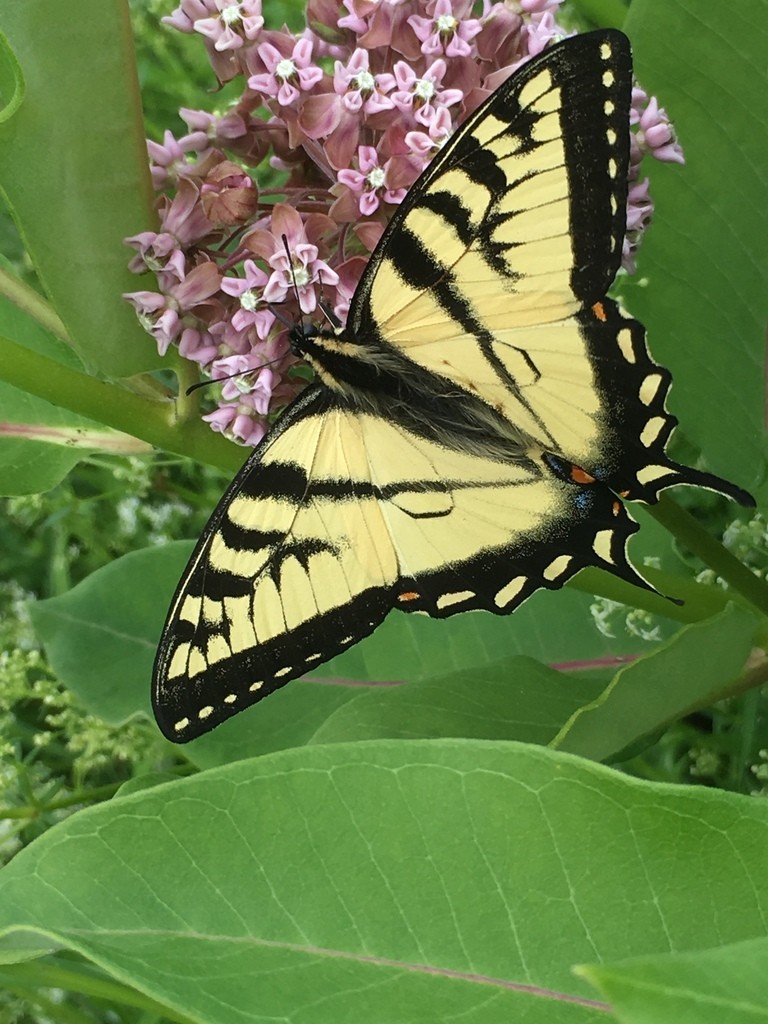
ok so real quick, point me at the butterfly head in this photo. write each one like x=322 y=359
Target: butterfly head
x=300 y=337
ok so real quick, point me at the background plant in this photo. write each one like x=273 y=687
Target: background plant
x=275 y=858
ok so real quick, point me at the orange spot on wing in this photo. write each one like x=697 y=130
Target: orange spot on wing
x=409 y=595
x=599 y=310
x=580 y=476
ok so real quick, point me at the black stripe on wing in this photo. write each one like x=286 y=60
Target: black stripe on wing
x=593 y=73
x=231 y=685
x=637 y=425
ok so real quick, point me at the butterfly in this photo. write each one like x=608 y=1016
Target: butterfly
x=471 y=430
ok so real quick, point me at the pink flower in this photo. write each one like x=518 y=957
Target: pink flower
x=286 y=77
x=240 y=421
x=183 y=216
x=170 y=160
x=639 y=212
x=158 y=320
x=655 y=134
x=159 y=312
x=349 y=273
x=360 y=90
x=639 y=205
x=233 y=23
x=420 y=96
x=154 y=251
x=539 y=32
x=353 y=21
x=444 y=32
x=197 y=346
x=250 y=292
x=218 y=128
x=439 y=130
x=187 y=13
x=227 y=340
x=246 y=375
x=189 y=288
x=294 y=259
x=370 y=183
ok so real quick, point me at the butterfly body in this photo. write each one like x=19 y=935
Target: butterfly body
x=472 y=424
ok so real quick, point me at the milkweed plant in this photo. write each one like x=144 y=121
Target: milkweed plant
x=464 y=857
x=348 y=113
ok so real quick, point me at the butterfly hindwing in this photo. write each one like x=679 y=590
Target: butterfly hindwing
x=315 y=542
x=274 y=586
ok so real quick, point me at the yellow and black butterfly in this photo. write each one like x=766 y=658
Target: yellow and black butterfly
x=471 y=426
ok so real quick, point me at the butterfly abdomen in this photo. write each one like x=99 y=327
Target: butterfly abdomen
x=379 y=381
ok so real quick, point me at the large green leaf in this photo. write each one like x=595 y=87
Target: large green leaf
x=73 y=168
x=101 y=636
x=702 y=286
x=391 y=882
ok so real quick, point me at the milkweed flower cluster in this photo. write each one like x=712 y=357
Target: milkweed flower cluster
x=348 y=112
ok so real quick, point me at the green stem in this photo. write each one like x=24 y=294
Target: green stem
x=153 y=421
x=84 y=980
x=698 y=600
x=81 y=796
x=187 y=406
x=47 y=1009
x=692 y=535
x=33 y=304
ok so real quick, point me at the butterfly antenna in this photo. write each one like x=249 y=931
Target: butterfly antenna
x=325 y=309
x=292 y=273
x=230 y=376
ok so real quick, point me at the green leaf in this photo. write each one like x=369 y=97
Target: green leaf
x=690 y=670
x=41 y=442
x=705 y=259
x=514 y=699
x=101 y=636
x=391 y=881
x=728 y=985
x=12 y=83
x=73 y=169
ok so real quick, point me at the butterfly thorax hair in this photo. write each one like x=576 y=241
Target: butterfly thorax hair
x=374 y=377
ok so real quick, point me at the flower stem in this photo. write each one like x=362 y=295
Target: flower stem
x=80 y=796
x=83 y=979
x=33 y=304
x=686 y=529
x=153 y=421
